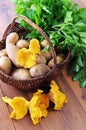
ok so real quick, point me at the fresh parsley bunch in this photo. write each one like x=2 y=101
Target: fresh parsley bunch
x=64 y=23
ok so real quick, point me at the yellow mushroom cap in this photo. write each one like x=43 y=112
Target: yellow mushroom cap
x=26 y=58
x=34 y=46
x=19 y=106
x=38 y=106
x=56 y=96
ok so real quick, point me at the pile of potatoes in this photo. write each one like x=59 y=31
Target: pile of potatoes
x=8 y=59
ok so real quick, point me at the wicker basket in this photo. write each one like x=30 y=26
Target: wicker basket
x=38 y=81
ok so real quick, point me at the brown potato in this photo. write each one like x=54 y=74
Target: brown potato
x=21 y=74
x=22 y=43
x=39 y=70
x=40 y=59
x=47 y=55
x=5 y=64
x=12 y=38
x=51 y=62
x=44 y=43
x=3 y=52
x=12 y=51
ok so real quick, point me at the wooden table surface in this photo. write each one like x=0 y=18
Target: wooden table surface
x=73 y=114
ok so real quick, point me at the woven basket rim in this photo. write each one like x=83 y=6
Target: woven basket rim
x=34 y=78
x=59 y=66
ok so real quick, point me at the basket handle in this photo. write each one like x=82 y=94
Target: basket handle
x=39 y=30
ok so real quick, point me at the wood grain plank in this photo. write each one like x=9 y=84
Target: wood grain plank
x=11 y=92
x=79 y=92
x=68 y=118
x=5 y=122
x=73 y=106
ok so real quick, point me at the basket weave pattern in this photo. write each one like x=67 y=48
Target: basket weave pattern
x=34 y=82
